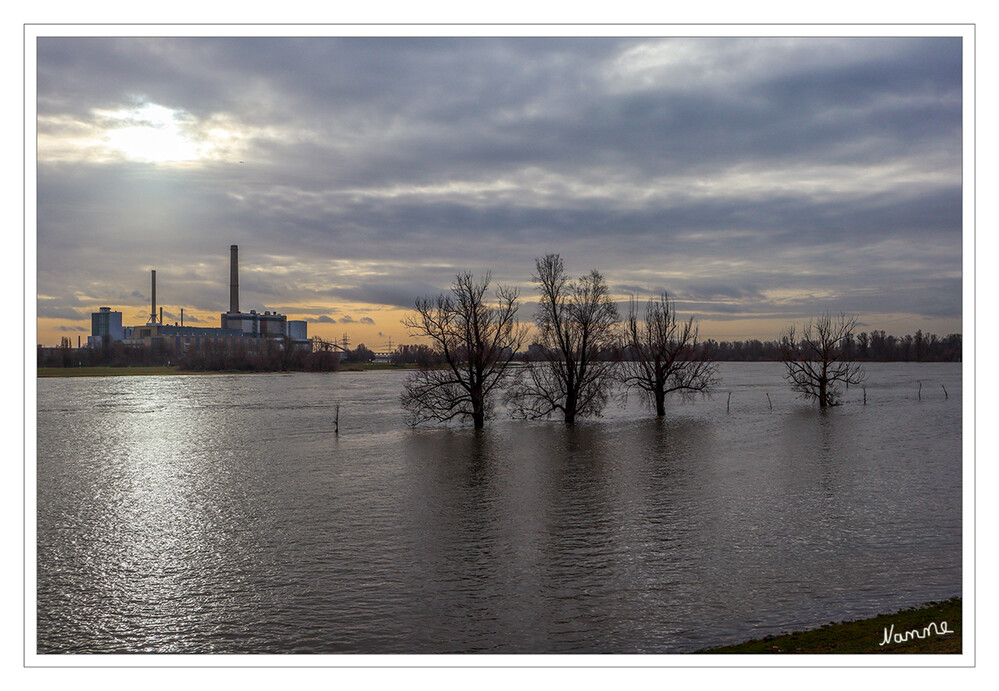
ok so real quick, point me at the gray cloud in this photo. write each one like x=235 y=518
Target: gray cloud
x=730 y=172
x=389 y=292
x=59 y=312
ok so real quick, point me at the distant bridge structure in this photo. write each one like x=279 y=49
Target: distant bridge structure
x=319 y=343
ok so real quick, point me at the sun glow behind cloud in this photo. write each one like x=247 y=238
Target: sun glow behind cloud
x=148 y=133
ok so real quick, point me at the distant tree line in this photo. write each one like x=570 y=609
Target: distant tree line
x=880 y=347
x=420 y=355
x=264 y=355
x=360 y=354
x=110 y=354
x=876 y=346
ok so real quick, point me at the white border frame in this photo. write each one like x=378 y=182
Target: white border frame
x=964 y=31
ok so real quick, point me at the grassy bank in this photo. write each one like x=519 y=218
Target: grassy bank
x=375 y=367
x=866 y=635
x=153 y=371
x=107 y=371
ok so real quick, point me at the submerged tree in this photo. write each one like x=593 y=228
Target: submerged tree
x=476 y=342
x=661 y=354
x=816 y=361
x=576 y=323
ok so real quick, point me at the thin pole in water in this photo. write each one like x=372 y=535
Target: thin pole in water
x=769 y=401
x=865 y=395
x=336 y=419
x=945 y=392
x=920 y=392
x=728 y=404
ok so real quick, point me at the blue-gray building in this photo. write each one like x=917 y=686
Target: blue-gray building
x=105 y=326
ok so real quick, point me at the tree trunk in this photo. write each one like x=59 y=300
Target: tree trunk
x=478 y=408
x=570 y=401
x=822 y=393
x=660 y=392
x=570 y=408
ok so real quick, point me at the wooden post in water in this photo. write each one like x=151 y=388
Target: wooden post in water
x=728 y=404
x=920 y=392
x=769 y=401
x=336 y=418
x=945 y=392
x=865 y=395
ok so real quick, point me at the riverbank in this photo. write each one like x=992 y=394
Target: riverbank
x=110 y=371
x=159 y=371
x=912 y=631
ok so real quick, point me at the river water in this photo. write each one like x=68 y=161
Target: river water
x=220 y=514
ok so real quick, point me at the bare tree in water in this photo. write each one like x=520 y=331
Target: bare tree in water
x=661 y=354
x=815 y=360
x=576 y=322
x=476 y=342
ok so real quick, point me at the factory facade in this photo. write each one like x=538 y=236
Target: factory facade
x=249 y=328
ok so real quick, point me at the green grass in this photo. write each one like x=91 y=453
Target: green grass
x=374 y=366
x=107 y=371
x=152 y=371
x=866 y=635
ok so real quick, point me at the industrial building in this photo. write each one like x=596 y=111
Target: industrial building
x=106 y=325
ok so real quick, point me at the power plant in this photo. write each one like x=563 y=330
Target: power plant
x=106 y=325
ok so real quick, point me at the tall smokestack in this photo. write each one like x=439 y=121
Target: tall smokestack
x=234 y=278
x=152 y=315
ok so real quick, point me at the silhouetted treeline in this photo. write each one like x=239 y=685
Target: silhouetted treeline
x=262 y=356
x=360 y=354
x=420 y=355
x=210 y=356
x=115 y=354
x=880 y=346
x=876 y=346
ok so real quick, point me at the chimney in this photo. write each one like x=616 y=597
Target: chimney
x=182 y=316
x=233 y=279
x=152 y=315
x=161 y=315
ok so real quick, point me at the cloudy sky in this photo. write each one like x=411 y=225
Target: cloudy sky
x=759 y=181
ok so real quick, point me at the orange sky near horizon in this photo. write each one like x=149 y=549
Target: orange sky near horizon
x=388 y=325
